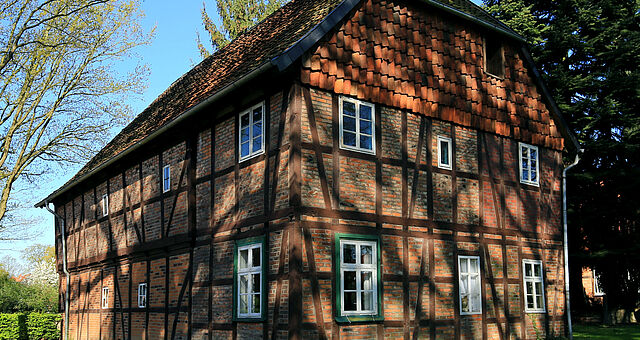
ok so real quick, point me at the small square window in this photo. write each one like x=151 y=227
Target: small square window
x=529 y=170
x=533 y=286
x=105 y=205
x=105 y=298
x=470 y=288
x=142 y=295
x=251 y=131
x=444 y=152
x=357 y=125
x=493 y=56
x=166 y=178
x=249 y=281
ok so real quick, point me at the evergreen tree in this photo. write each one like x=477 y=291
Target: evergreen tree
x=589 y=54
x=236 y=16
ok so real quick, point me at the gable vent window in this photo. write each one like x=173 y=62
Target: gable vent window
x=494 y=57
x=105 y=205
x=251 y=132
x=444 y=152
x=166 y=178
x=357 y=125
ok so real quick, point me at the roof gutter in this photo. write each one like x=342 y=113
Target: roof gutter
x=190 y=112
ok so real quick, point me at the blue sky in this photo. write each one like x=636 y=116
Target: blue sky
x=172 y=52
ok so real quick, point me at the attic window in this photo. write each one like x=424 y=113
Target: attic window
x=494 y=57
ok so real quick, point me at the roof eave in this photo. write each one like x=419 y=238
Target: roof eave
x=191 y=111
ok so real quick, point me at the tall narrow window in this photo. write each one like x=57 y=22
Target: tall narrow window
x=493 y=56
x=357 y=125
x=444 y=152
x=105 y=205
x=166 y=178
x=105 y=298
x=249 y=283
x=533 y=286
x=142 y=295
x=251 y=132
x=597 y=287
x=529 y=172
x=358 y=278
x=470 y=291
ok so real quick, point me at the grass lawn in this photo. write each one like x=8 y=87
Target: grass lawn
x=620 y=332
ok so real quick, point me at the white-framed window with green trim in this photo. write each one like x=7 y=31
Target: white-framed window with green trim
x=470 y=287
x=358 y=278
x=249 y=280
x=533 y=286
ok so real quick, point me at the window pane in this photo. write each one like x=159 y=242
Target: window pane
x=534 y=164
x=244 y=149
x=538 y=270
x=527 y=269
x=255 y=283
x=255 y=257
x=539 y=301
x=349 y=253
x=474 y=283
x=349 y=139
x=255 y=303
x=365 y=142
x=257 y=144
x=349 y=124
x=534 y=154
x=349 y=108
x=244 y=135
x=473 y=265
x=365 y=254
x=464 y=303
x=243 y=259
x=464 y=266
x=529 y=287
x=365 y=127
x=365 y=112
x=244 y=284
x=349 y=280
x=257 y=114
x=257 y=128
x=350 y=301
x=367 y=282
x=244 y=120
x=244 y=304
x=464 y=284
x=525 y=153
x=366 y=301
x=533 y=176
x=475 y=303
x=538 y=288
x=530 y=301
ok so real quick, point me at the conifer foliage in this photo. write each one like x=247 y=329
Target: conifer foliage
x=589 y=53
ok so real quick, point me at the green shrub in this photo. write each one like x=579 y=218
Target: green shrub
x=32 y=326
x=13 y=326
x=42 y=326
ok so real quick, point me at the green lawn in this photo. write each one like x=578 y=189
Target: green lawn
x=621 y=332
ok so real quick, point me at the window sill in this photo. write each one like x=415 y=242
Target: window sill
x=533 y=184
x=356 y=149
x=535 y=311
x=250 y=319
x=494 y=76
x=359 y=318
x=246 y=158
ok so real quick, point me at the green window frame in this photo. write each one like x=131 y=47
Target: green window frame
x=250 y=272
x=369 y=289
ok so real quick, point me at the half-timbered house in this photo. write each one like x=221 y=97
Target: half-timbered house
x=366 y=169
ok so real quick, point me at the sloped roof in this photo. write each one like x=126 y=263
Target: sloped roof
x=278 y=40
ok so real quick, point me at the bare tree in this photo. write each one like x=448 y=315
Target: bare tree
x=61 y=92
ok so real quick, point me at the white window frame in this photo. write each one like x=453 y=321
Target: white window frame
x=249 y=271
x=529 y=147
x=358 y=268
x=166 y=178
x=252 y=152
x=357 y=132
x=449 y=142
x=104 y=302
x=142 y=295
x=105 y=205
x=467 y=276
x=533 y=279
x=597 y=290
